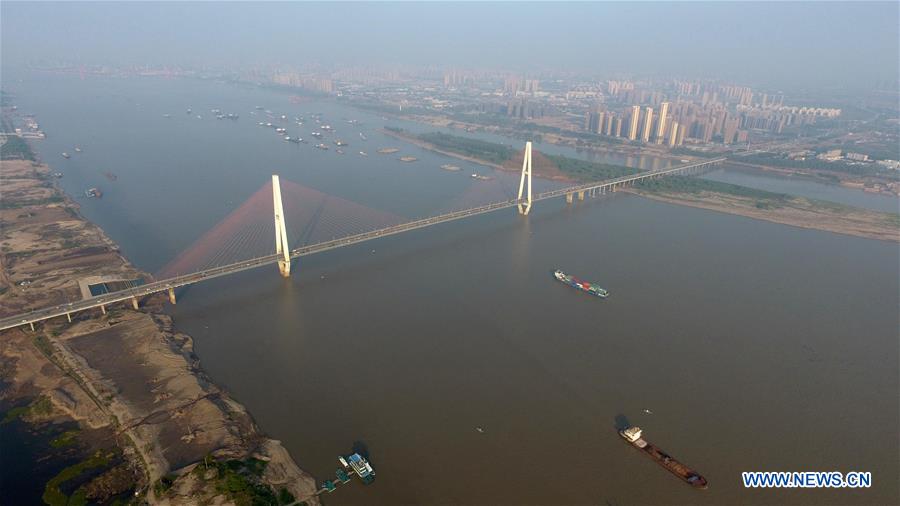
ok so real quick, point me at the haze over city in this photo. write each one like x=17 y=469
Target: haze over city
x=787 y=44
x=389 y=253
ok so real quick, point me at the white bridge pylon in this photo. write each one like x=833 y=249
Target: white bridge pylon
x=526 y=171
x=281 y=240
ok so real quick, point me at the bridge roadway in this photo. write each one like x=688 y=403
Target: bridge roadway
x=135 y=293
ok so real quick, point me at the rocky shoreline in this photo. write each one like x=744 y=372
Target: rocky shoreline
x=127 y=371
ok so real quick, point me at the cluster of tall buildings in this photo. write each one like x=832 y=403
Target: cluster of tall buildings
x=525 y=109
x=515 y=84
x=639 y=124
x=295 y=80
x=457 y=79
x=700 y=111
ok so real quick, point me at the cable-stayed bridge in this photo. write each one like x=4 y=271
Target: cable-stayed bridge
x=186 y=270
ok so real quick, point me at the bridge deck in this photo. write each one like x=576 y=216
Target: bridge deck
x=224 y=270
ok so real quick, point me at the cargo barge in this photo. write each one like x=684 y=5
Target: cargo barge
x=688 y=475
x=584 y=286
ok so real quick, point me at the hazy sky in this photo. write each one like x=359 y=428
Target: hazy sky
x=807 y=44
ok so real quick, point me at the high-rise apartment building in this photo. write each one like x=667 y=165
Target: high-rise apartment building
x=633 y=125
x=661 y=122
x=648 y=121
x=673 y=134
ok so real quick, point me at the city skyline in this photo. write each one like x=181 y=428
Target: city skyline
x=778 y=45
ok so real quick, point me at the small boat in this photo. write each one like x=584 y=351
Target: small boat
x=362 y=136
x=66 y=155
x=363 y=153
x=77 y=149
x=322 y=146
x=481 y=178
x=93 y=193
x=339 y=151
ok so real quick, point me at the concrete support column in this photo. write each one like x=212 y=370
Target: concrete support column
x=134 y=303
x=282 y=248
x=172 y=295
x=103 y=309
x=526 y=177
x=69 y=316
x=32 y=326
x=581 y=195
x=568 y=198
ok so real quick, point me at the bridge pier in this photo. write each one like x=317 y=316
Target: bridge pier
x=568 y=198
x=581 y=195
x=134 y=303
x=281 y=241
x=69 y=316
x=31 y=324
x=102 y=309
x=172 y=296
x=526 y=174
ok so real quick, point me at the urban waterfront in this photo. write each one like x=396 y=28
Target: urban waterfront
x=753 y=345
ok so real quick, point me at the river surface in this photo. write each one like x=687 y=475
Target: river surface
x=736 y=344
x=804 y=188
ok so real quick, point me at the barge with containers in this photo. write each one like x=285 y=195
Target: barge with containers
x=579 y=284
x=688 y=475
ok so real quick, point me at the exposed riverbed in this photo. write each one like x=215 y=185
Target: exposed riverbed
x=756 y=346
